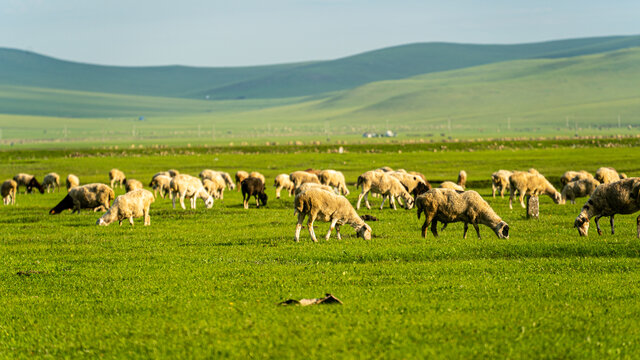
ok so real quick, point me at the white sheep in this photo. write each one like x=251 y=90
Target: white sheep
x=325 y=205
x=451 y=185
x=116 y=176
x=258 y=175
x=51 y=181
x=91 y=196
x=132 y=184
x=462 y=179
x=570 y=176
x=210 y=174
x=29 y=182
x=578 y=188
x=300 y=177
x=240 y=175
x=187 y=186
x=215 y=186
x=133 y=204
x=531 y=183
x=608 y=175
x=500 y=181
x=161 y=183
x=334 y=179
x=283 y=181
x=384 y=184
x=306 y=186
x=448 y=206
x=9 y=191
x=72 y=181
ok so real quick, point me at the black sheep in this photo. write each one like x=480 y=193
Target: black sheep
x=253 y=187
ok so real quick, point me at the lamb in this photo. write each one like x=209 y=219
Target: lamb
x=131 y=205
x=215 y=187
x=620 y=197
x=255 y=174
x=384 y=184
x=327 y=206
x=210 y=174
x=462 y=179
x=334 y=179
x=29 y=182
x=187 y=186
x=283 y=181
x=240 y=175
x=252 y=186
x=529 y=183
x=447 y=206
x=407 y=180
x=162 y=184
x=578 y=188
x=607 y=175
x=300 y=177
x=9 y=190
x=72 y=181
x=570 y=176
x=51 y=181
x=116 y=176
x=306 y=186
x=91 y=196
x=500 y=181
x=132 y=184
x=451 y=185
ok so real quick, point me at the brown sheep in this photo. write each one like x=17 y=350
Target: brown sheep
x=300 y=177
x=240 y=175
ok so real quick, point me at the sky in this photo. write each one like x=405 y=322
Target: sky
x=258 y=32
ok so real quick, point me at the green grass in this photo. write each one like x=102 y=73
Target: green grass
x=205 y=283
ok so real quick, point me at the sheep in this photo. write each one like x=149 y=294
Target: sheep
x=219 y=178
x=187 y=186
x=315 y=172
x=300 y=177
x=283 y=181
x=51 y=181
x=607 y=175
x=252 y=186
x=447 y=206
x=132 y=184
x=9 y=190
x=306 y=186
x=29 y=182
x=529 y=183
x=620 y=197
x=91 y=196
x=162 y=184
x=173 y=172
x=500 y=181
x=72 y=181
x=462 y=179
x=578 y=188
x=215 y=186
x=385 y=169
x=407 y=180
x=334 y=179
x=451 y=185
x=116 y=176
x=323 y=205
x=240 y=175
x=255 y=174
x=131 y=205
x=421 y=189
x=384 y=184
x=418 y=174
x=570 y=176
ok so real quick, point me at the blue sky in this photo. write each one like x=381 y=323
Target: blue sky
x=250 y=32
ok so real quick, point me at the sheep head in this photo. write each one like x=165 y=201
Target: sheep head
x=582 y=223
x=263 y=198
x=364 y=232
x=502 y=230
x=557 y=198
x=408 y=201
x=209 y=202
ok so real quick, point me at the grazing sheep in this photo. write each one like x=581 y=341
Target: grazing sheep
x=529 y=183
x=324 y=205
x=283 y=181
x=570 y=176
x=187 y=186
x=334 y=179
x=133 y=204
x=607 y=175
x=300 y=177
x=116 y=176
x=72 y=181
x=161 y=183
x=421 y=189
x=448 y=206
x=578 y=188
x=619 y=197
x=306 y=186
x=51 y=181
x=29 y=182
x=500 y=181
x=132 y=184
x=451 y=185
x=255 y=174
x=220 y=178
x=407 y=180
x=215 y=186
x=240 y=175
x=384 y=184
x=173 y=172
x=418 y=174
x=9 y=191
x=252 y=186
x=462 y=179
x=91 y=196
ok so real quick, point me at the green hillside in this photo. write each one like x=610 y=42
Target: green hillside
x=26 y=69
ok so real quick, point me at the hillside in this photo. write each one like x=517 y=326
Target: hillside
x=26 y=69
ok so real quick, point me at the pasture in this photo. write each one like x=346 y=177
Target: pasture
x=205 y=283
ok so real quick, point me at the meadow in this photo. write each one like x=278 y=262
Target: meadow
x=206 y=283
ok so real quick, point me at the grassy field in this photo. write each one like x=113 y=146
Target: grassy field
x=205 y=283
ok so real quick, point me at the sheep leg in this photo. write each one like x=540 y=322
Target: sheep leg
x=502 y=188
x=257 y=203
x=477 y=230
x=245 y=200
x=278 y=189
x=597 y=224
x=299 y=226
x=147 y=218
x=393 y=202
x=359 y=200
x=131 y=220
x=384 y=197
x=434 y=228
x=521 y=197
x=511 y=195
x=466 y=228
x=173 y=199
x=312 y=218
x=193 y=202
x=427 y=220
x=333 y=225
x=611 y=221
x=444 y=226
x=338 y=232
x=182 y=200
x=638 y=226
x=119 y=222
x=366 y=200
x=493 y=190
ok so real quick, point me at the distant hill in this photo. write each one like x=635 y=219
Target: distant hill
x=27 y=69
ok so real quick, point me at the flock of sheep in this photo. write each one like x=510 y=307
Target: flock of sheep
x=321 y=195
